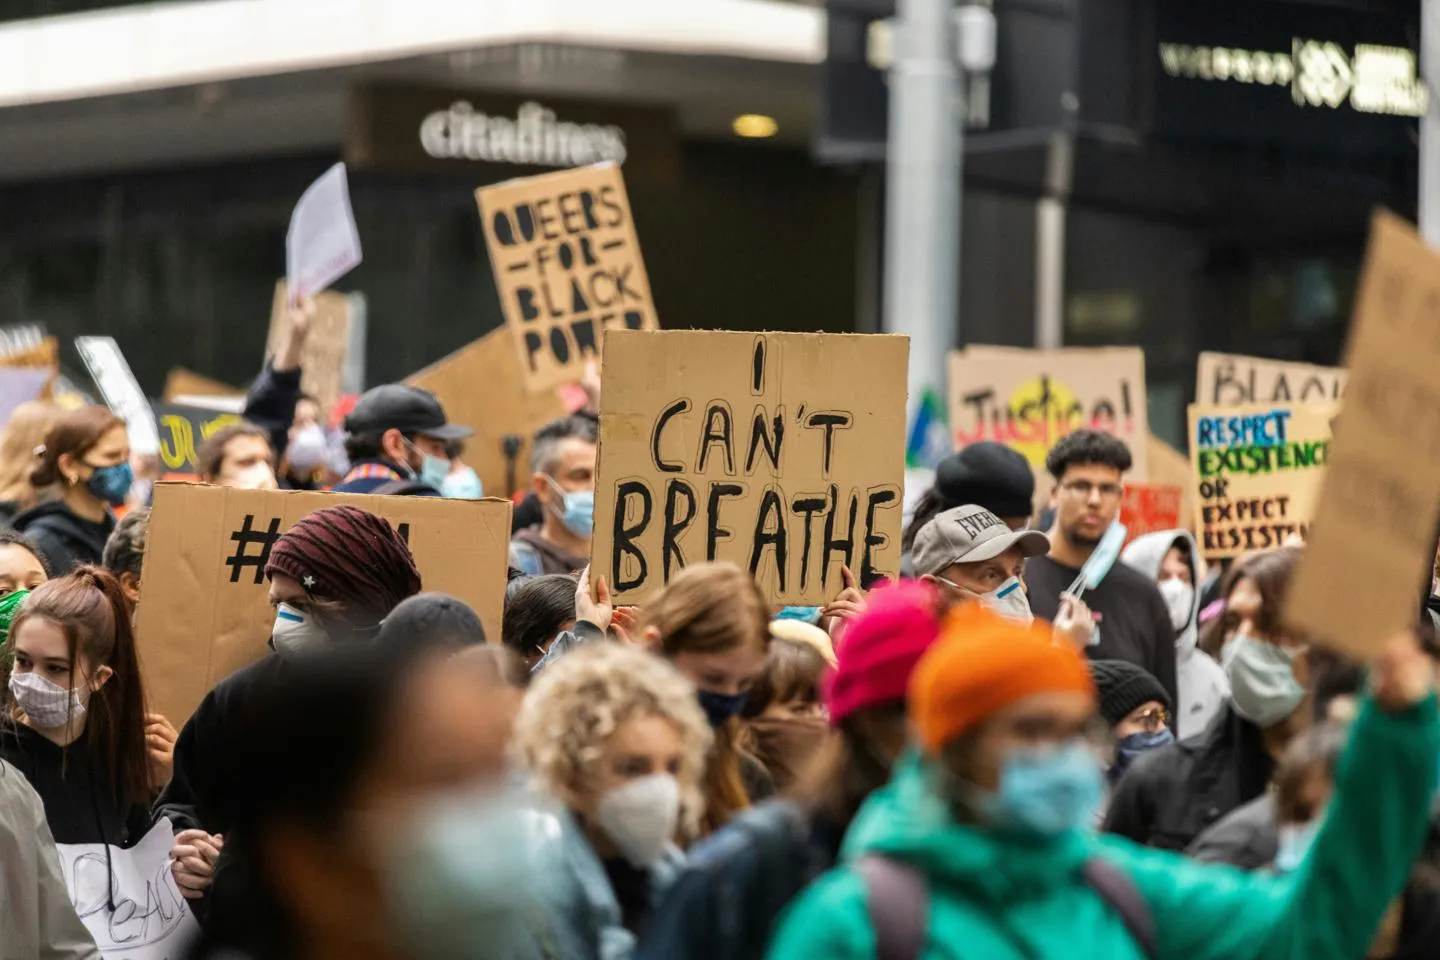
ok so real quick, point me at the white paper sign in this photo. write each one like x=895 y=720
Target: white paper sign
x=122 y=393
x=151 y=920
x=323 y=244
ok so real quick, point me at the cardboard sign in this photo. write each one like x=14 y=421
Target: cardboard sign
x=567 y=267
x=1374 y=534
x=1029 y=399
x=180 y=382
x=481 y=386
x=152 y=919
x=322 y=244
x=122 y=393
x=781 y=452
x=204 y=612
x=322 y=360
x=1150 y=508
x=183 y=430
x=1225 y=379
x=1258 y=472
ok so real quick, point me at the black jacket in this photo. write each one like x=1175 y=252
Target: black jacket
x=66 y=539
x=81 y=805
x=271 y=404
x=1248 y=837
x=1171 y=795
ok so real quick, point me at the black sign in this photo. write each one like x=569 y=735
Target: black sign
x=183 y=431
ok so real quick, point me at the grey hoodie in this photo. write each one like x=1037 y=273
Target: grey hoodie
x=1201 y=682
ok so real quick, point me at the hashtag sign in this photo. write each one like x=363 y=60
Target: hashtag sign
x=247 y=537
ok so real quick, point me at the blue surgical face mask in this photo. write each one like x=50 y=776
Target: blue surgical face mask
x=1129 y=748
x=1263 y=688
x=463 y=484
x=1296 y=839
x=1043 y=794
x=111 y=484
x=578 y=512
x=720 y=707
x=433 y=470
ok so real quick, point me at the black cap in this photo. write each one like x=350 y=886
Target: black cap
x=394 y=406
x=989 y=475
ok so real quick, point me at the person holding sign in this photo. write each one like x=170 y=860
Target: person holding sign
x=84 y=471
x=1132 y=621
x=563 y=460
x=395 y=438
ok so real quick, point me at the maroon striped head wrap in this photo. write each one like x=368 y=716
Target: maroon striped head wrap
x=350 y=556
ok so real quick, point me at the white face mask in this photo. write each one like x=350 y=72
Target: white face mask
x=640 y=817
x=1008 y=601
x=296 y=631
x=257 y=476
x=46 y=703
x=1180 y=599
x=308 y=449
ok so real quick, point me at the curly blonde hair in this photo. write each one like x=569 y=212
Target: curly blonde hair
x=575 y=704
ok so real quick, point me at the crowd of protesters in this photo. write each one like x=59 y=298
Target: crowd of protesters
x=971 y=761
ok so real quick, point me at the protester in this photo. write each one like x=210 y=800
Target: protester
x=124 y=554
x=314 y=455
x=434 y=619
x=976 y=555
x=21 y=565
x=1135 y=708
x=1132 y=621
x=395 y=439
x=36 y=915
x=981 y=845
x=82 y=474
x=24 y=432
x=712 y=623
x=238 y=455
x=987 y=474
x=274 y=398
x=1170 y=558
x=783 y=717
x=74 y=720
x=357 y=781
x=537 y=610
x=1173 y=794
x=616 y=737
x=725 y=903
x=563 y=460
x=334 y=576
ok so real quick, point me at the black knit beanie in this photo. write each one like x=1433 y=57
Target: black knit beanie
x=433 y=619
x=1123 y=687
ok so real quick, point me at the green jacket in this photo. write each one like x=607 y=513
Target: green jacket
x=993 y=899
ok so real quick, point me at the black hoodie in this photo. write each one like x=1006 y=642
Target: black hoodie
x=80 y=804
x=66 y=539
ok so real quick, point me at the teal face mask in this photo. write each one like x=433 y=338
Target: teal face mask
x=578 y=512
x=433 y=470
x=1043 y=794
x=1296 y=839
x=463 y=484
x=1263 y=688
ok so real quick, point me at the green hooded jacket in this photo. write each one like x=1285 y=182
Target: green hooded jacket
x=999 y=899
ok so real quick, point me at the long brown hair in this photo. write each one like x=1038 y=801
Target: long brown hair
x=712 y=608
x=29 y=424
x=75 y=433
x=1271 y=573
x=89 y=608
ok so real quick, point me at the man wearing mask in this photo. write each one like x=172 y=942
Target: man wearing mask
x=334 y=576
x=987 y=474
x=1169 y=558
x=974 y=554
x=238 y=456
x=1132 y=621
x=396 y=439
x=563 y=459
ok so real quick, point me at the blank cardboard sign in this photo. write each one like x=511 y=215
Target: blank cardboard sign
x=481 y=387
x=567 y=267
x=322 y=360
x=1374 y=531
x=781 y=452
x=1228 y=379
x=204 y=610
x=1258 y=473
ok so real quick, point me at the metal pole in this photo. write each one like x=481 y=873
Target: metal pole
x=922 y=191
x=1050 y=212
x=1429 y=205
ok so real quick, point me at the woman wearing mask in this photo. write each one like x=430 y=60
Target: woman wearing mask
x=616 y=737
x=1171 y=796
x=713 y=624
x=74 y=710
x=981 y=845
x=725 y=903
x=84 y=467
x=784 y=716
x=26 y=430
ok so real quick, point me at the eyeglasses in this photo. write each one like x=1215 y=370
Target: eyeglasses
x=1153 y=720
x=1084 y=489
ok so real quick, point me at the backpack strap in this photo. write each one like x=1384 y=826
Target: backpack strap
x=899 y=902
x=1120 y=894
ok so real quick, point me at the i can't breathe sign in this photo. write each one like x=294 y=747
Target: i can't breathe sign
x=567 y=267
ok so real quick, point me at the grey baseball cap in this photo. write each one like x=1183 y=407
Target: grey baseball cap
x=970 y=534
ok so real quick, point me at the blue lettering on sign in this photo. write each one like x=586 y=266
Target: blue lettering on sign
x=1256 y=430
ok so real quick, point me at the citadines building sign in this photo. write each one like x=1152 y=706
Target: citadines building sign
x=435 y=129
